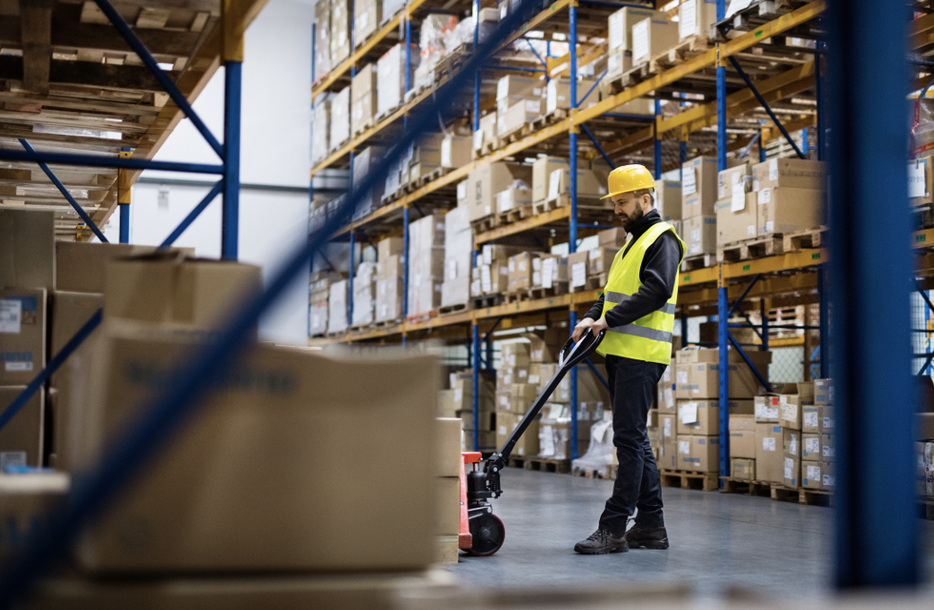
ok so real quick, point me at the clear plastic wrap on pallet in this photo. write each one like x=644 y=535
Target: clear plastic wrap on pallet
x=365 y=161
x=318 y=319
x=320 y=130
x=322 y=39
x=390 y=8
x=426 y=264
x=922 y=128
x=341 y=24
x=340 y=119
x=463 y=31
x=601 y=452
x=458 y=257
x=364 y=294
x=435 y=30
x=337 y=307
x=390 y=75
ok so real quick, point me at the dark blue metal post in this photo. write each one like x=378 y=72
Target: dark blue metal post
x=684 y=328
x=765 y=325
x=123 y=199
x=824 y=321
x=761 y=147
x=476 y=78
x=408 y=50
x=876 y=522
x=350 y=280
x=572 y=241
x=124 y=223
x=721 y=110
x=476 y=387
x=819 y=95
x=682 y=155
x=230 y=217
x=723 y=343
x=405 y=262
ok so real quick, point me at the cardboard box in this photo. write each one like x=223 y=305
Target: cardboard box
x=340 y=119
x=828 y=448
x=703 y=381
x=456 y=151
x=618 y=62
x=27 y=245
x=668 y=456
x=790 y=173
x=769 y=453
x=390 y=268
x=26 y=503
x=165 y=288
x=390 y=246
x=668 y=199
x=810 y=422
x=700 y=235
x=791 y=411
x=599 y=260
x=528 y=444
x=544 y=347
x=512 y=85
x=22 y=335
x=826 y=419
x=792 y=445
x=517 y=116
x=516 y=354
x=787 y=210
x=391 y=76
x=823 y=392
x=541 y=171
x=81 y=266
x=699 y=453
x=591 y=183
x=666 y=391
x=448 y=461
x=558 y=94
x=620 y=25
x=811 y=475
x=743 y=469
x=486 y=133
x=489 y=179
x=522 y=397
x=742 y=436
x=367 y=17
x=737 y=218
x=767 y=409
x=22 y=438
x=699 y=187
x=702 y=417
x=791 y=471
x=612 y=239
x=810 y=447
x=651 y=37
x=696 y=17
x=299 y=409
x=447 y=518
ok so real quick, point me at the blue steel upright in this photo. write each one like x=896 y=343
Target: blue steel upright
x=658 y=141
x=123 y=207
x=230 y=215
x=723 y=330
x=476 y=386
x=572 y=234
x=876 y=524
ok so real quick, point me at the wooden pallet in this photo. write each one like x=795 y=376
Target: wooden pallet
x=517 y=462
x=450 y=310
x=548 y=465
x=488 y=148
x=487 y=223
x=453 y=61
x=486 y=301
x=387 y=323
x=757 y=247
x=362 y=128
x=515 y=215
x=706 y=481
x=336 y=334
x=698 y=261
x=525 y=130
x=591 y=473
x=592 y=283
x=517 y=297
x=584 y=204
x=746 y=487
x=421 y=317
x=546 y=120
x=557 y=289
x=813 y=497
x=926 y=509
x=803 y=240
x=685 y=50
x=756 y=14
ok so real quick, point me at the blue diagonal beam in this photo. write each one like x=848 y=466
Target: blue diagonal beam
x=590 y=135
x=50 y=369
x=531 y=46
x=755 y=371
x=61 y=188
x=743 y=296
x=140 y=49
x=214 y=192
x=175 y=404
x=597 y=373
x=766 y=106
x=592 y=87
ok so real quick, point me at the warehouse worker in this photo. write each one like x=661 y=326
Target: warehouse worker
x=637 y=310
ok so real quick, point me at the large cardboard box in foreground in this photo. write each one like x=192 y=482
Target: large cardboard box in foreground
x=283 y=468
x=27 y=246
x=26 y=503
x=81 y=266
x=21 y=440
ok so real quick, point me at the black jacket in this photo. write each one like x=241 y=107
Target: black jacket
x=658 y=276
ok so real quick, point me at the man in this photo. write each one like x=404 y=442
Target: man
x=637 y=310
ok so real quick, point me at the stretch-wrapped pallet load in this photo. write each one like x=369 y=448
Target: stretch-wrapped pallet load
x=390 y=271
x=367 y=16
x=322 y=39
x=518 y=102
x=337 y=307
x=493 y=267
x=391 y=77
x=364 y=162
x=696 y=17
x=424 y=156
x=364 y=294
x=341 y=27
x=363 y=99
x=320 y=129
x=458 y=257
x=433 y=33
x=426 y=264
x=319 y=288
x=651 y=37
x=737 y=211
x=340 y=120
x=486 y=181
x=789 y=195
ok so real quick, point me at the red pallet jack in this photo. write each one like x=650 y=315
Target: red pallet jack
x=482 y=533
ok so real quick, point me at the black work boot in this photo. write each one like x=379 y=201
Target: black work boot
x=602 y=542
x=647 y=536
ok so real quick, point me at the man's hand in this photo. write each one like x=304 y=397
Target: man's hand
x=598 y=326
x=582 y=327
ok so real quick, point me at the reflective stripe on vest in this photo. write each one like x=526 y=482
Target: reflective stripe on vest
x=649 y=337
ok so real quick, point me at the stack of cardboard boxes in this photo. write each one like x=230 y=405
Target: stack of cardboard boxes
x=487 y=181
x=551 y=182
x=341 y=26
x=690 y=427
x=589 y=269
x=458 y=257
x=390 y=270
x=337 y=307
x=699 y=189
x=426 y=264
x=457 y=401
x=518 y=101
x=367 y=17
x=322 y=41
x=364 y=294
x=515 y=394
x=448 y=505
x=320 y=129
x=339 y=120
x=364 y=99
x=653 y=36
x=364 y=162
x=391 y=77
x=491 y=275
x=319 y=288
x=695 y=18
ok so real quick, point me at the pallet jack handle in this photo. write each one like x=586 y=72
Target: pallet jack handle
x=569 y=357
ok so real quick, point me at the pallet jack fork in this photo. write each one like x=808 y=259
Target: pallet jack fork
x=485 y=531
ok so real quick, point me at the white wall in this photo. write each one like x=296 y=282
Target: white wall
x=275 y=144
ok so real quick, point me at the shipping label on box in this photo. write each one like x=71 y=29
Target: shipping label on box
x=769 y=453
x=22 y=335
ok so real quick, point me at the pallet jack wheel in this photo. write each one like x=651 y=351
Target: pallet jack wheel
x=488 y=534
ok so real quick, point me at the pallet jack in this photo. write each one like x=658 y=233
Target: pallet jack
x=486 y=531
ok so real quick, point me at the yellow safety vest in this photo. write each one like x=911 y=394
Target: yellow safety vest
x=649 y=337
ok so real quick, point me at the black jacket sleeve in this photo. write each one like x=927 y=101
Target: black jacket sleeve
x=596 y=311
x=658 y=276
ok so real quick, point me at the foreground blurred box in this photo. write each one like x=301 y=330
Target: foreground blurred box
x=291 y=464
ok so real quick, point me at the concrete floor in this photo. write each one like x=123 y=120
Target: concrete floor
x=718 y=541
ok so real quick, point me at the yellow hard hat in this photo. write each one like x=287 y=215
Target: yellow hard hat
x=629 y=178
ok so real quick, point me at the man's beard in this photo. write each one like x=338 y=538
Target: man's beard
x=630 y=220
